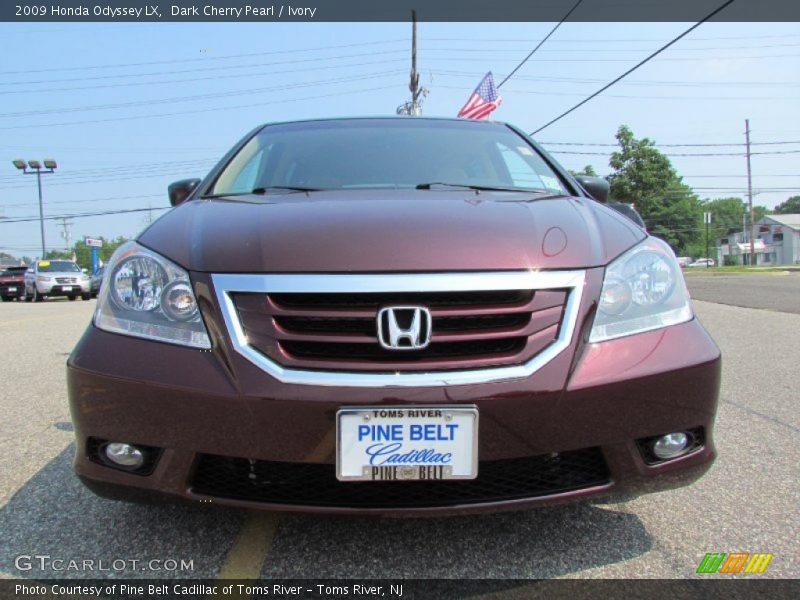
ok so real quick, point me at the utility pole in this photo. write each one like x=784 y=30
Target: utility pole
x=707 y=219
x=67 y=232
x=413 y=107
x=413 y=85
x=750 y=196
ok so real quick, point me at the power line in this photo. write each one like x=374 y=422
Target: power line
x=606 y=49
x=592 y=40
x=82 y=215
x=215 y=77
x=461 y=58
x=121 y=173
x=205 y=69
x=684 y=153
x=539 y=45
x=671 y=145
x=128 y=167
x=201 y=110
x=203 y=59
x=85 y=200
x=377 y=75
x=639 y=64
x=645 y=96
x=637 y=82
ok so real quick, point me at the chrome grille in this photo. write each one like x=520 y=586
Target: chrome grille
x=322 y=330
x=339 y=331
x=66 y=280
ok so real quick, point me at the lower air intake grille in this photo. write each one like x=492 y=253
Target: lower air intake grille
x=313 y=484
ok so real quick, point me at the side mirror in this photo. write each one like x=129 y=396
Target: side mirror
x=181 y=190
x=596 y=186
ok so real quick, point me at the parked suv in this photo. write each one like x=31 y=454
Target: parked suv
x=97 y=280
x=392 y=315
x=56 y=278
x=12 y=283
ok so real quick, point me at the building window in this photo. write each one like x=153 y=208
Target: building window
x=777 y=237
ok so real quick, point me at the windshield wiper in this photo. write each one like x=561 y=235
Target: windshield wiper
x=291 y=188
x=214 y=196
x=477 y=188
x=261 y=191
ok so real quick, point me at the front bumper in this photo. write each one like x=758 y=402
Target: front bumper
x=211 y=406
x=12 y=290
x=52 y=288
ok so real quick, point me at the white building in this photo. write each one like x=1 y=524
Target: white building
x=781 y=235
x=778 y=243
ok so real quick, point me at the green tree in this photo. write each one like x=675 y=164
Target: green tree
x=726 y=216
x=646 y=178
x=790 y=207
x=759 y=212
x=83 y=253
x=587 y=170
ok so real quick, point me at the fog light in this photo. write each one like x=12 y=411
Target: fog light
x=124 y=455
x=670 y=445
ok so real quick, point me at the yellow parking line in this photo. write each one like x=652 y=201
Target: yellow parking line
x=249 y=552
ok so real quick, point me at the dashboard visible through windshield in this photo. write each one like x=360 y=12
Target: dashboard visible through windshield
x=385 y=153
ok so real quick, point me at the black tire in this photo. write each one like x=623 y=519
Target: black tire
x=37 y=297
x=72 y=297
x=6 y=298
x=86 y=296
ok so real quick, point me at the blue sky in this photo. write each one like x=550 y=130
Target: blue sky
x=126 y=109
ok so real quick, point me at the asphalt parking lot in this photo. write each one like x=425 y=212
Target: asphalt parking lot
x=779 y=291
x=748 y=502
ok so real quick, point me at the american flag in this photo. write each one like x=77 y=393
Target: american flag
x=482 y=101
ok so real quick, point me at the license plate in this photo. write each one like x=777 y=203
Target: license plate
x=12 y=289
x=407 y=443
x=67 y=288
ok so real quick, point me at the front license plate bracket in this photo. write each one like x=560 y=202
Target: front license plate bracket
x=407 y=443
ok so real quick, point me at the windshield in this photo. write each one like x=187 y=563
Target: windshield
x=385 y=153
x=58 y=266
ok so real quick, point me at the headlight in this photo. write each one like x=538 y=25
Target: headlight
x=643 y=290
x=43 y=278
x=145 y=295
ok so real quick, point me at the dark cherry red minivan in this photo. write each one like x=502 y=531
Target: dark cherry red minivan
x=392 y=315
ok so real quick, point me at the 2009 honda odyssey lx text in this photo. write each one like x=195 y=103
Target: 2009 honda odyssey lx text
x=392 y=315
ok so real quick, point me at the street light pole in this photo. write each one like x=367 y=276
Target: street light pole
x=41 y=207
x=36 y=167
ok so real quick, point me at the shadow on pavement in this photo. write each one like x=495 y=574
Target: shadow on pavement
x=538 y=543
x=54 y=515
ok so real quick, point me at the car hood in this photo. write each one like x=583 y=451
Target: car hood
x=61 y=274
x=392 y=230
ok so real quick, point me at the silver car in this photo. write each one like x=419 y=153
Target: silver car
x=56 y=278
